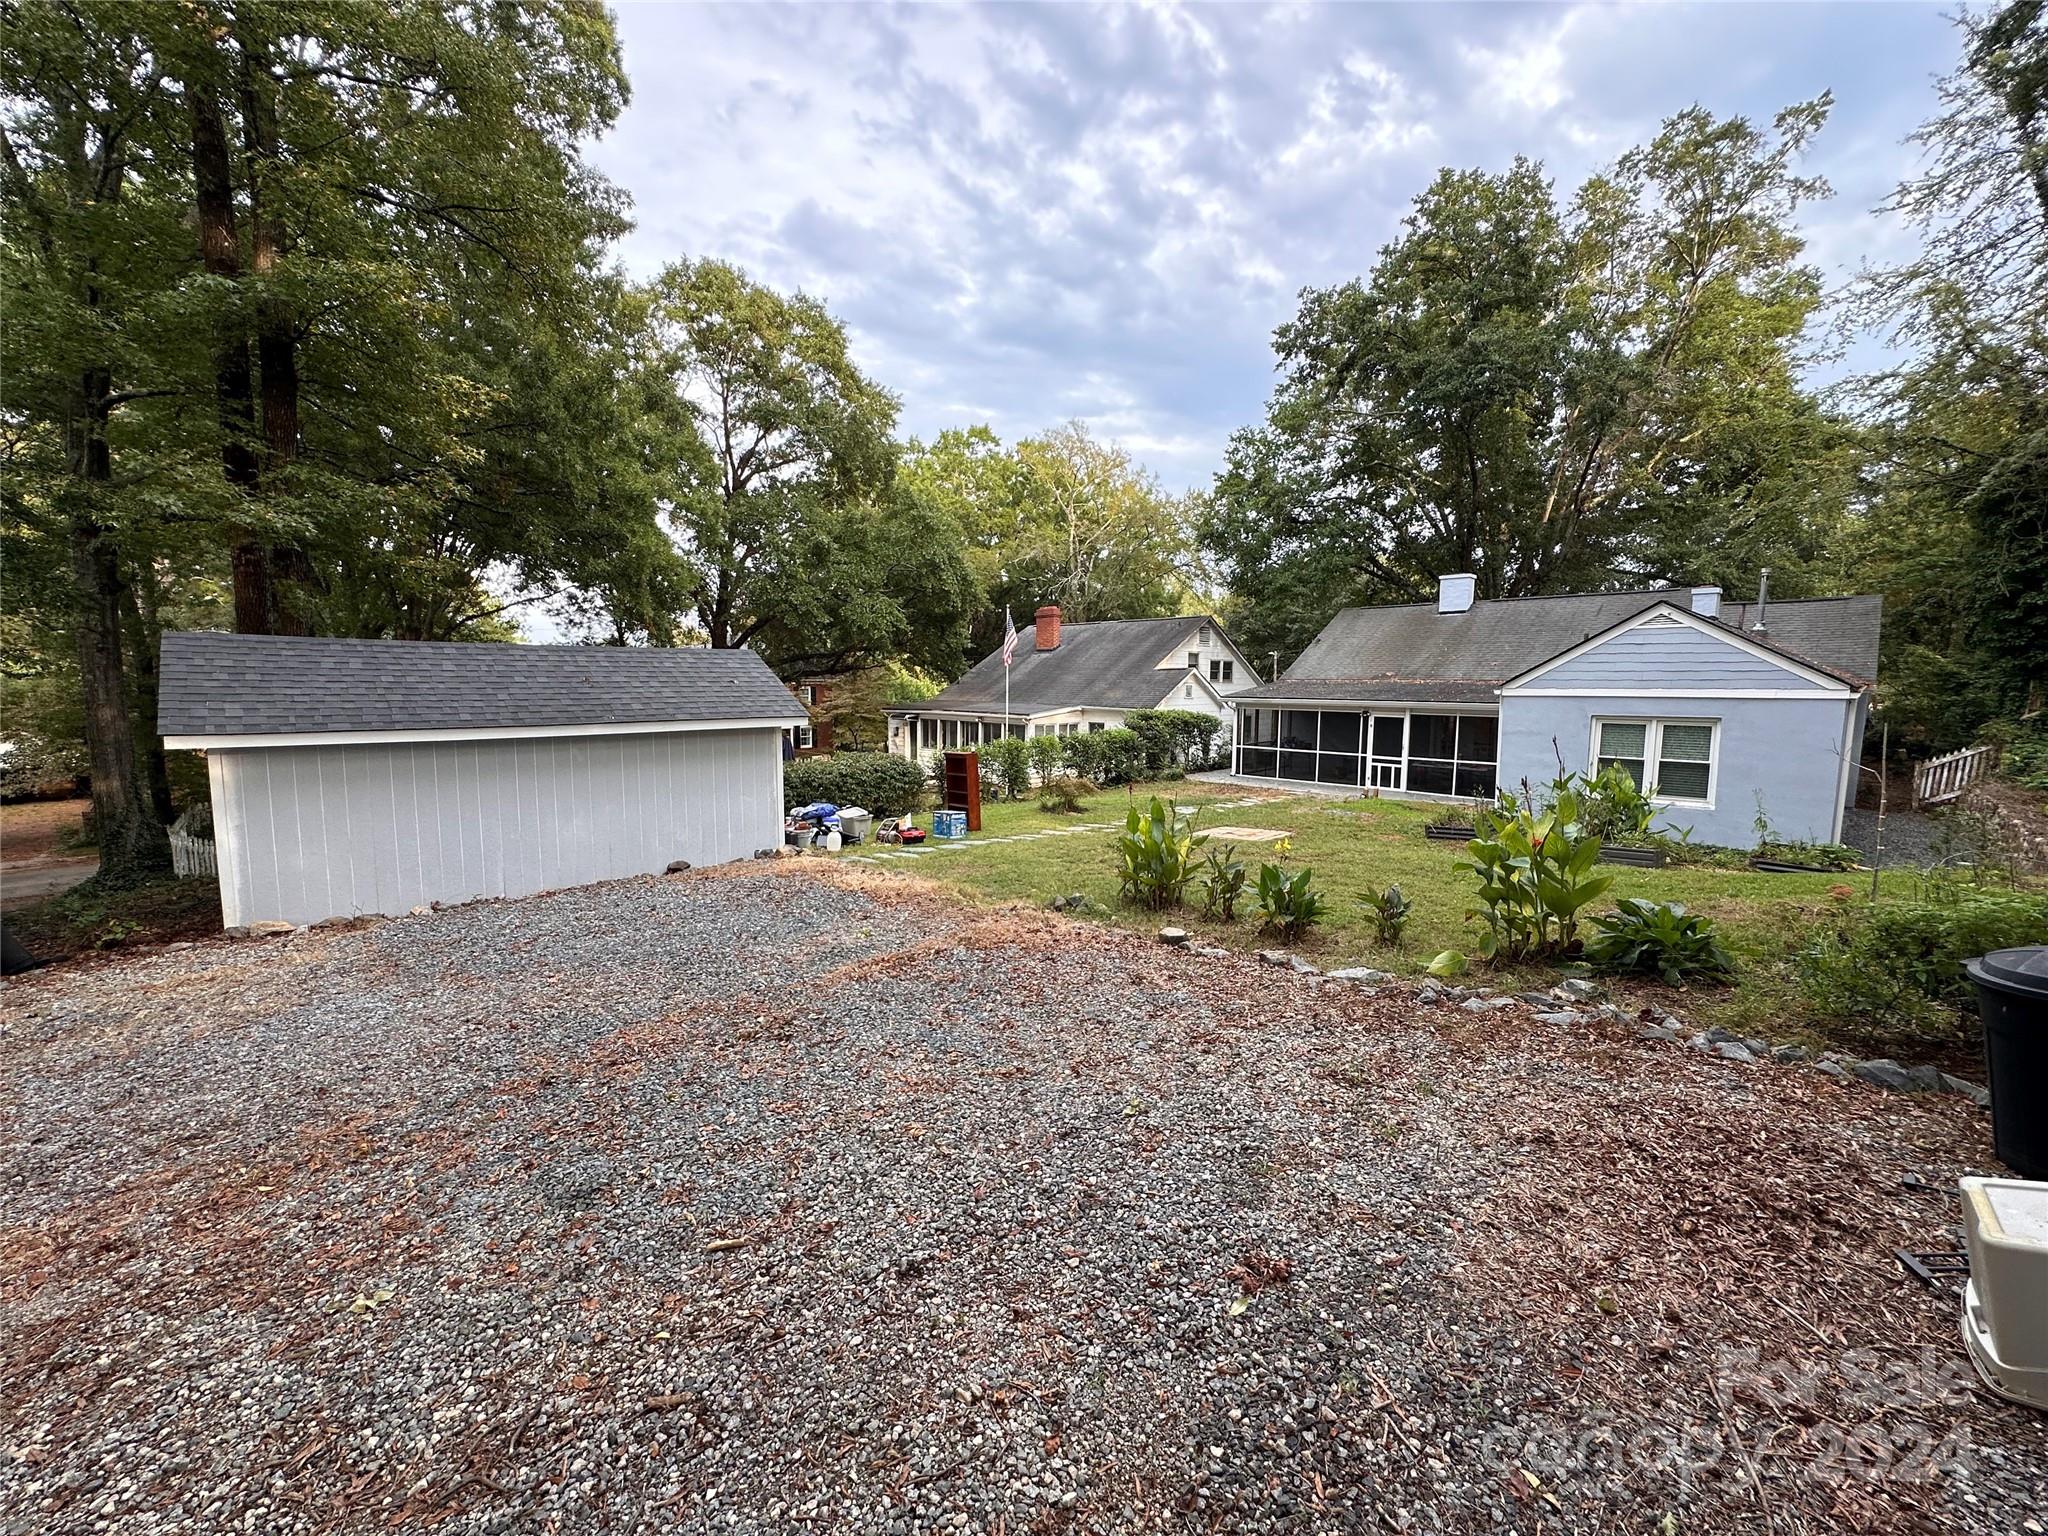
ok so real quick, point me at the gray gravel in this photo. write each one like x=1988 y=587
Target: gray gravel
x=757 y=1202
x=1912 y=839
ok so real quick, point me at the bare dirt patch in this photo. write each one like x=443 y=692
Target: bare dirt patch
x=797 y=1197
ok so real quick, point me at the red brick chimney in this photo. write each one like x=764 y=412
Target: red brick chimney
x=1049 y=627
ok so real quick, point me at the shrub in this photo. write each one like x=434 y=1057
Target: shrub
x=1155 y=738
x=35 y=764
x=1535 y=873
x=1006 y=763
x=1611 y=805
x=1044 y=753
x=1832 y=857
x=1062 y=793
x=1289 y=905
x=1390 y=913
x=1081 y=757
x=1156 y=855
x=1658 y=938
x=1901 y=962
x=1173 y=738
x=1121 y=756
x=1223 y=878
x=888 y=786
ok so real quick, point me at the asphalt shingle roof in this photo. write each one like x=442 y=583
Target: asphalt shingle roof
x=1412 y=652
x=1108 y=664
x=225 y=685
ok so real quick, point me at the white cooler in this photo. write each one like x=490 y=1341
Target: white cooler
x=2005 y=1303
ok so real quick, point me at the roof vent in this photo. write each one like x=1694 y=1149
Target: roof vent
x=1706 y=602
x=1454 y=593
x=1763 y=597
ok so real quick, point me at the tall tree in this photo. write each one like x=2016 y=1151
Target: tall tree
x=1954 y=530
x=1553 y=398
x=794 y=530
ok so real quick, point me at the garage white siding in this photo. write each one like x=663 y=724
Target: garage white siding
x=323 y=831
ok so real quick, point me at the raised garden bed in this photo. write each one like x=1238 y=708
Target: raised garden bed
x=1787 y=867
x=1640 y=858
x=1448 y=834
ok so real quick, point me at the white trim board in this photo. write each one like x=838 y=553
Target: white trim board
x=1662 y=614
x=225 y=743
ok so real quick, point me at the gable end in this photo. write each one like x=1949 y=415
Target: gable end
x=1668 y=652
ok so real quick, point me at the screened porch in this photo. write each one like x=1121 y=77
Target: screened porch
x=1400 y=751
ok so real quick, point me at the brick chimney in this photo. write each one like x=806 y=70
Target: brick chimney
x=1049 y=627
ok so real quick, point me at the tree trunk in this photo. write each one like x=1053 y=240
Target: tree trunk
x=277 y=348
x=220 y=252
x=133 y=845
x=145 y=645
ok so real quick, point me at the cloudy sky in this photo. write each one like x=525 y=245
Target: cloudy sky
x=1026 y=214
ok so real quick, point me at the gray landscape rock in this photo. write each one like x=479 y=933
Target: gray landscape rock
x=1578 y=988
x=1733 y=1050
x=1790 y=1053
x=1173 y=935
x=1719 y=1036
x=1486 y=1004
x=677 y=866
x=1832 y=1069
x=1885 y=1073
x=270 y=928
x=1656 y=1032
x=1976 y=1093
x=1295 y=963
x=1209 y=951
x=1561 y=1017
x=1363 y=973
x=1924 y=1079
x=1756 y=1047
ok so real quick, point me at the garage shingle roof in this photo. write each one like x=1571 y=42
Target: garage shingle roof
x=237 y=685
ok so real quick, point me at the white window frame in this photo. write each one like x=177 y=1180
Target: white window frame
x=1653 y=754
x=806 y=738
x=1221 y=670
x=807 y=693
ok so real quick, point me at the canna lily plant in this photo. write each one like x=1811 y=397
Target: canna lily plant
x=1536 y=872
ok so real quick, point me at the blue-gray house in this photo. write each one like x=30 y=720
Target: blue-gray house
x=1721 y=710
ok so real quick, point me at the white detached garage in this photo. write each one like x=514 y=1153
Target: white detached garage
x=354 y=776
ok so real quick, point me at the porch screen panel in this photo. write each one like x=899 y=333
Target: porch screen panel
x=1297 y=744
x=1452 y=754
x=1258 y=735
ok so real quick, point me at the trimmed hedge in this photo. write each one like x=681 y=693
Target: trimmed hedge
x=875 y=781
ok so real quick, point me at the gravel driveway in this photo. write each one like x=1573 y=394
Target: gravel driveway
x=785 y=1199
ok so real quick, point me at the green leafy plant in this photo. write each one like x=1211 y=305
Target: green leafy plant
x=1612 y=806
x=1223 y=880
x=1536 y=872
x=1062 y=794
x=1390 y=913
x=1045 y=753
x=1900 y=962
x=1447 y=963
x=1658 y=938
x=1156 y=855
x=1832 y=857
x=875 y=781
x=1006 y=764
x=1288 y=903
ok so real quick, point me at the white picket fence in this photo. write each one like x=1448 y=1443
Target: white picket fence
x=1941 y=779
x=192 y=857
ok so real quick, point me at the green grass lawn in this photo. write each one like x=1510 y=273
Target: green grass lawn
x=1357 y=847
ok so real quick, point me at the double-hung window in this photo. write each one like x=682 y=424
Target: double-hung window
x=1671 y=760
x=1221 y=671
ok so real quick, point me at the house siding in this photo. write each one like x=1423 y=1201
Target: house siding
x=310 y=832
x=1786 y=753
x=1671 y=656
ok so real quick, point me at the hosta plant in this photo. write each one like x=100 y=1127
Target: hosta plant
x=1156 y=855
x=1658 y=938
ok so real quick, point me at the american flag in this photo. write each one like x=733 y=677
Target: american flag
x=1009 y=637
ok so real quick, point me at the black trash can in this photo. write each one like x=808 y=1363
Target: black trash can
x=2012 y=999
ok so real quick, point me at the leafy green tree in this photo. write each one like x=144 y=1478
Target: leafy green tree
x=794 y=530
x=1554 y=398
x=1952 y=529
x=1060 y=518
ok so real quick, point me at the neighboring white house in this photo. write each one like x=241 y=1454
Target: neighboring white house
x=353 y=776
x=1723 y=712
x=1081 y=677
